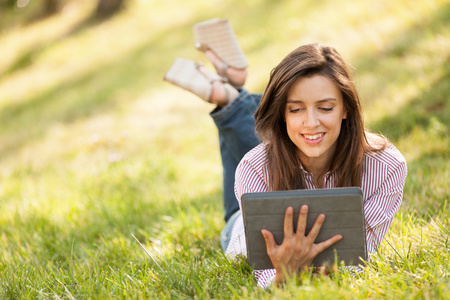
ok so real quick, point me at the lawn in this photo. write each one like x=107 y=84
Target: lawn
x=97 y=150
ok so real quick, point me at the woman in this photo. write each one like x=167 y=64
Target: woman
x=310 y=122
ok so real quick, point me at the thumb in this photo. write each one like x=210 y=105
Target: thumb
x=270 y=240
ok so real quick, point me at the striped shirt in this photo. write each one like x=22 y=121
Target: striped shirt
x=383 y=179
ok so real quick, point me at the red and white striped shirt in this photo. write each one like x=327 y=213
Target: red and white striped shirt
x=383 y=179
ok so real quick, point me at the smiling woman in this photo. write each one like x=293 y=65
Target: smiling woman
x=314 y=113
x=310 y=122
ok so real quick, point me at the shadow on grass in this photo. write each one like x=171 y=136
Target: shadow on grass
x=426 y=194
x=406 y=41
x=28 y=57
x=396 y=65
x=431 y=104
x=96 y=91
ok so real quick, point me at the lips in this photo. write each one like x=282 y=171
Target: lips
x=313 y=136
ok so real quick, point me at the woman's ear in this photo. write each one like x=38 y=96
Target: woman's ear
x=344 y=116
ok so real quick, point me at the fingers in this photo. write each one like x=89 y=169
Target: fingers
x=325 y=244
x=314 y=232
x=270 y=241
x=301 y=224
x=289 y=223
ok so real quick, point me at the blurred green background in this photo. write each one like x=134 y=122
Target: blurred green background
x=94 y=145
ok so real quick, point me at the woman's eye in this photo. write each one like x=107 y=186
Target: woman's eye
x=294 y=110
x=326 y=108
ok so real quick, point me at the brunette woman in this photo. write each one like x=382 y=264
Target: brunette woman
x=310 y=123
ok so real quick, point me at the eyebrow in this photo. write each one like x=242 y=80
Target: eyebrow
x=320 y=101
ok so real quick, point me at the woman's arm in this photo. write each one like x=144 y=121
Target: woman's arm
x=384 y=198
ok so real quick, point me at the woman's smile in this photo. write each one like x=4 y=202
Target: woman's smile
x=313 y=138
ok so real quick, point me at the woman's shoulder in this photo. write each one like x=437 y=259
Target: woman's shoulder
x=257 y=154
x=384 y=169
x=252 y=174
x=384 y=152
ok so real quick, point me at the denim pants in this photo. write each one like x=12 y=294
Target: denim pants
x=237 y=136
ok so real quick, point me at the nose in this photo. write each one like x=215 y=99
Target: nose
x=310 y=119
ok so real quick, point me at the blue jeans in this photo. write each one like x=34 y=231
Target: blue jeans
x=226 y=231
x=237 y=136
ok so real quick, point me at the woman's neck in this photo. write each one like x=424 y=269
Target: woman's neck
x=317 y=167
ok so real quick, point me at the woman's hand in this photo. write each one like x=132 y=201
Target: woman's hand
x=297 y=250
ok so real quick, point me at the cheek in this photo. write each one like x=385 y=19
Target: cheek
x=335 y=125
x=289 y=128
x=291 y=125
x=293 y=128
x=332 y=125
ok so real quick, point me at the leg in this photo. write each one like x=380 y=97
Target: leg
x=236 y=126
x=235 y=106
x=194 y=77
x=233 y=117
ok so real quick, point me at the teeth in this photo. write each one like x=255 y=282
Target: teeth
x=313 y=137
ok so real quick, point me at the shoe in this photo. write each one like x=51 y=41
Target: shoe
x=235 y=77
x=187 y=75
x=218 y=36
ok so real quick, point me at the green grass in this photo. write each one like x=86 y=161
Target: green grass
x=96 y=148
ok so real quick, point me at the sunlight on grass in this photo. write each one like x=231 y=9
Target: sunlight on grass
x=18 y=41
x=96 y=146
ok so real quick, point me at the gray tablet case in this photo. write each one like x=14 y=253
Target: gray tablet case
x=343 y=208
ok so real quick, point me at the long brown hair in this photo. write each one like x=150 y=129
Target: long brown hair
x=283 y=161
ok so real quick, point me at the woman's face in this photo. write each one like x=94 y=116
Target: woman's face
x=313 y=114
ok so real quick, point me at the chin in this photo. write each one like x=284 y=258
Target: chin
x=310 y=155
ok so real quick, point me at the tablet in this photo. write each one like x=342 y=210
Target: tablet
x=343 y=208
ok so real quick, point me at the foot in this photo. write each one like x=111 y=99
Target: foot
x=236 y=77
x=197 y=79
x=222 y=93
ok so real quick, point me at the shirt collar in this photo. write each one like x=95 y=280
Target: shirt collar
x=309 y=173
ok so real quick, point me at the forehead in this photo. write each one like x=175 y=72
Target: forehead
x=314 y=88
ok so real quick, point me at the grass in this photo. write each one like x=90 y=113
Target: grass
x=96 y=148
